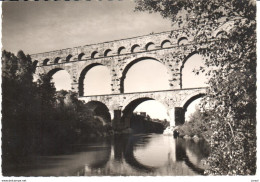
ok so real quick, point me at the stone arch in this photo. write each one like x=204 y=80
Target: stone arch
x=130 y=105
x=180 y=111
x=54 y=70
x=74 y=58
x=68 y=58
x=134 y=47
x=82 y=77
x=182 y=41
x=164 y=43
x=138 y=99
x=127 y=109
x=148 y=46
x=51 y=72
x=120 y=50
x=45 y=61
x=129 y=65
x=94 y=54
x=189 y=99
x=99 y=109
x=107 y=52
x=35 y=63
x=56 y=60
x=80 y=56
x=183 y=63
x=220 y=34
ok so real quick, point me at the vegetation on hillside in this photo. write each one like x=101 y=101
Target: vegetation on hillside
x=231 y=61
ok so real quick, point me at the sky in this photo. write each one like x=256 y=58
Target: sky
x=36 y=27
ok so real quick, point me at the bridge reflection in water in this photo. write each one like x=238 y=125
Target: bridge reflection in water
x=126 y=155
x=151 y=154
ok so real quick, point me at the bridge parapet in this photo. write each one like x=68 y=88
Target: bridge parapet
x=119 y=47
x=174 y=37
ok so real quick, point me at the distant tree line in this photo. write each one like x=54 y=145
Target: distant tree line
x=144 y=124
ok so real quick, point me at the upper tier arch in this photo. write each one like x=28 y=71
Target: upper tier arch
x=82 y=74
x=129 y=64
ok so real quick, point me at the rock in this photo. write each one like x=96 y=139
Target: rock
x=181 y=135
x=195 y=138
x=168 y=131
x=176 y=133
x=111 y=132
x=92 y=135
x=187 y=137
x=127 y=131
x=99 y=134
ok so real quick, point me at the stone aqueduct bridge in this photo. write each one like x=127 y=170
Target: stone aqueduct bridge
x=171 y=48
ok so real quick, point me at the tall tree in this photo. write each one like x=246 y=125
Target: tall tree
x=231 y=60
x=17 y=101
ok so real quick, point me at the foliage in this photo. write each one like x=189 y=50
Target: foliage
x=36 y=119
x=17 y=92
x=144 y=124
x=231 y=62
x=196 y=125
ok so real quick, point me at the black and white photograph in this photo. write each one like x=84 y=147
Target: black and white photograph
x=129 y=88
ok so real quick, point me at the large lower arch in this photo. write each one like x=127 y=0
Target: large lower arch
x=128 y=110
x=145 y=113
x=82 y=77
x=100 y=111
x=132 y=63
x=180 y=114
x=192 y=98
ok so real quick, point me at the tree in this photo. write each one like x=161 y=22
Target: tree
x=196 y=125
x=231 y=63
x=17 y=102
x=36 y=119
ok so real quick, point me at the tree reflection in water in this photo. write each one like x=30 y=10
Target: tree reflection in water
x=137 y=155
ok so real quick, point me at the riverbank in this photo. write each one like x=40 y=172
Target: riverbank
x=186 y=133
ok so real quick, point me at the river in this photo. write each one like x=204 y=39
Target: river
x=121 y=155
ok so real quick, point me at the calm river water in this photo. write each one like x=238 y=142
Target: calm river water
x=138 y=155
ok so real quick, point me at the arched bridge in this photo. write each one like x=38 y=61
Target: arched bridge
x=121 y=106
x=171 y=48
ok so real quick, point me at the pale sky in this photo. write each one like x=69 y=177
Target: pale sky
x=46 y=26
x=36 y=27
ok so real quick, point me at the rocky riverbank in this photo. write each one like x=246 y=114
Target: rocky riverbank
x=170 y=131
